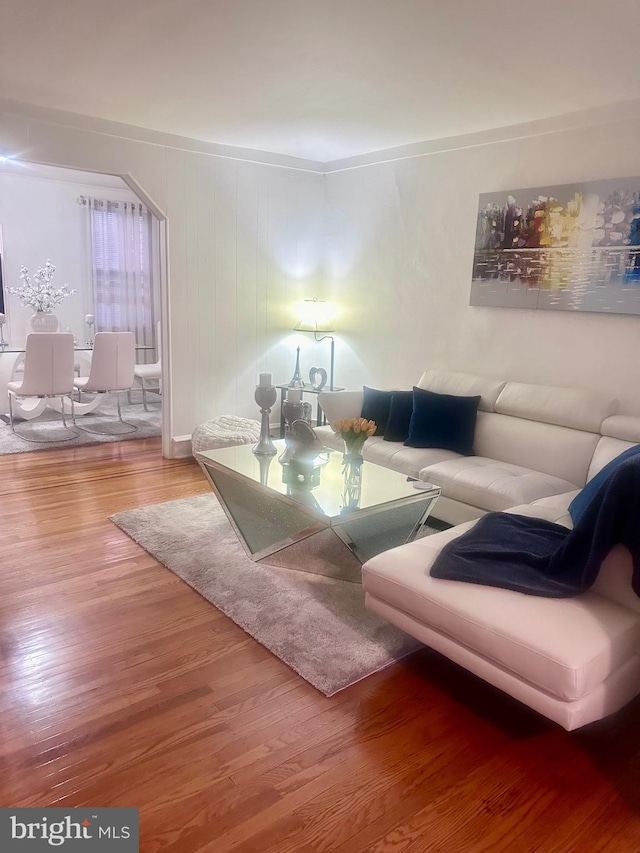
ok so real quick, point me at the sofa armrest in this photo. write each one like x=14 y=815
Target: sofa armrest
x=340 y=404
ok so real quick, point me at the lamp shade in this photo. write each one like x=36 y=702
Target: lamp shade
x=315 y=316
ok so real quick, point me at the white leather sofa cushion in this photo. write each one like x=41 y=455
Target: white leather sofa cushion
x=463 y=385
x=568 y=407
x=614 y=579
x=337 y=405
x=556 y=450
x=565 y=647
x=409 y=460
x=490 y=484
x=625 y=427
x=554 y=508
x=390 y=454
x=606 y=450
x=330 y=438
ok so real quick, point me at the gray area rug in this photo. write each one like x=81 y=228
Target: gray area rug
x=316 y=624
x=45 y=430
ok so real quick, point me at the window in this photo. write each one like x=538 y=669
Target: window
x=122 y=261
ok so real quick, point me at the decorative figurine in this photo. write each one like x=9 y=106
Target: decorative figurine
x=296 y=379
x=301 y=443
x=318 y=383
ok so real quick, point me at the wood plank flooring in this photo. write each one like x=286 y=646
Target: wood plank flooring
x=122 y=686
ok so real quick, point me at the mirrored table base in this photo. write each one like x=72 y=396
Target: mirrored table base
x=268 y=523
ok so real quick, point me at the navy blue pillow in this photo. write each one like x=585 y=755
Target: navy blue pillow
x=375 y=407
x=582 y=500
x=399 y=416
x=445 y=421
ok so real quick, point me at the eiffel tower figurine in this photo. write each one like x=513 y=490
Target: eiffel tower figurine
x=296 y=379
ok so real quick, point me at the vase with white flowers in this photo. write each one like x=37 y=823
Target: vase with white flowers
x=41 y=295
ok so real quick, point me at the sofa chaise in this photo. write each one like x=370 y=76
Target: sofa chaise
x=575 y=660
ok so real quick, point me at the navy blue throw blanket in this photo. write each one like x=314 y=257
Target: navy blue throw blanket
x=538 y=557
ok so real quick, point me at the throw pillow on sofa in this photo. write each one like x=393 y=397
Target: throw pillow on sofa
x=375 y=407
x=444 y=421
x=399 y=416
x=581 y=501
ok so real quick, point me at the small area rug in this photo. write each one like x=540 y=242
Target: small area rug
x=317 y=625
x=44 y=431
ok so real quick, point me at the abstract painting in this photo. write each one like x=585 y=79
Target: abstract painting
x=572 y=247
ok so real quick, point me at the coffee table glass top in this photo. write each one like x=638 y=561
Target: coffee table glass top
x=273 y=506
x=320 y=486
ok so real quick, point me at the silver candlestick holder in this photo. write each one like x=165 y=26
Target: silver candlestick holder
x=265 y=397
x=265 y=463
x=90 y=321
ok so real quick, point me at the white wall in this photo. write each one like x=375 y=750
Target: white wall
x=244 y=248
x=41 y=219
x=243 y=245
x=399 y=253
x=245 y=242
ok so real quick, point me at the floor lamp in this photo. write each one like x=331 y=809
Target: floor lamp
x=315 y=318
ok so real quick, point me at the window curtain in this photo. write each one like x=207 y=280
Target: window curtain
x=122 y=268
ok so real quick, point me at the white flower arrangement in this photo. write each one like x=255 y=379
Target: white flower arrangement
x=40 y=294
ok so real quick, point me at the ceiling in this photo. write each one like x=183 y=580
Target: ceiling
x=322 y=80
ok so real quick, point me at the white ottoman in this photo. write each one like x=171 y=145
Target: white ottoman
x=224 y=431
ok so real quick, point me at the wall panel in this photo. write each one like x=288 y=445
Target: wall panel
x=231 y=244
x=399 y=259
x=248 y=240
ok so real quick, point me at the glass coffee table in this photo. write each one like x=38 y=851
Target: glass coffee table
x=273 y=506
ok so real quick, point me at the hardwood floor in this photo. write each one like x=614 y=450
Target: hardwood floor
x=122 y=686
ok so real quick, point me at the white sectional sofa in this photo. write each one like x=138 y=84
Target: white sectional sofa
x=574 y=660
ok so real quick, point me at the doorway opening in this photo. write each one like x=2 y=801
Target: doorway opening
x=107 y=242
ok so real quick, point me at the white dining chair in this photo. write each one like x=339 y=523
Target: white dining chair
x=112 y=368
x=48 y=372
x=146 y=373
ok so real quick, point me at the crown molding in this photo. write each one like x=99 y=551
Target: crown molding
x=596 y=116
x=604 y=115
x=155 y=137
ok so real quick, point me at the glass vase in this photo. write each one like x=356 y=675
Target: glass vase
x=352 y=474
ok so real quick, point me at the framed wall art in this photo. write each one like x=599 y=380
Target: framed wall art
x=572 y=247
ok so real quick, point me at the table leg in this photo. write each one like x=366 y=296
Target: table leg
x=423 y=518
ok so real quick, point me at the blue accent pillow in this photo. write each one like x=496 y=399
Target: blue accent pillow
x=399 y=416
x=443 y=420
x=582 y=500
x=375 y=407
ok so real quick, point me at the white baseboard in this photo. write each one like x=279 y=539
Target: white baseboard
x=180 y=446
